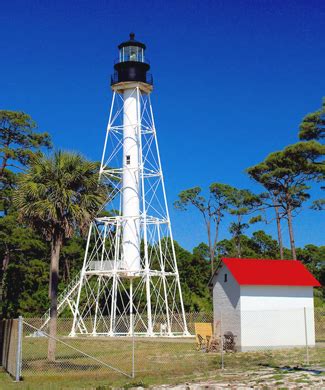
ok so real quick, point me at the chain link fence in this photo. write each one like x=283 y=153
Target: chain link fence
x=270 y=338
x=78 y=356
x=277 y=338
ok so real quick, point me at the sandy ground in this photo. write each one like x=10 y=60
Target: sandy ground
x=268 y=378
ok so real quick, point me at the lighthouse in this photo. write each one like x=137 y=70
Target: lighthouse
x=129 y=283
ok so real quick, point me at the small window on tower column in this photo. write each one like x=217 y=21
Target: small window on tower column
x=128 y=160
x=226 y=278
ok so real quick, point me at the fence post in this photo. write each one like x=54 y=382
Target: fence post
x=19 y=348
x=306 y=336
x=133 y=350
x=1 y=337
x=221 y=342
x=133 y=374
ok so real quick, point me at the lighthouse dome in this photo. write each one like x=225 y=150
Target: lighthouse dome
x=131 y=64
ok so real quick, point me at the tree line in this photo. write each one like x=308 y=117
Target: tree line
x=286 y=177
x=47 y=200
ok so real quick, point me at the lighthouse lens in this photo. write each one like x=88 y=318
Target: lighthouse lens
x=131 y=53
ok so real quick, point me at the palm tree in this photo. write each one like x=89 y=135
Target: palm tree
x=59 y=195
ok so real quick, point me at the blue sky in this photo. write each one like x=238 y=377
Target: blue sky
x=233 y=79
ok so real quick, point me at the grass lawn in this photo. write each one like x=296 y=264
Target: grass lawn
x=157 y=361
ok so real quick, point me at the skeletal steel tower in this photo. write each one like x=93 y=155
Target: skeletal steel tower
x=129 y=283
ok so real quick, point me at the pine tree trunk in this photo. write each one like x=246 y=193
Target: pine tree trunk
x=211 y=252
x=3 y=164
x=278 y=225
x=54 y=277
x=239 y=248
x=239 y=236
x=292 y=240
x=67 y=270
x=215 y=242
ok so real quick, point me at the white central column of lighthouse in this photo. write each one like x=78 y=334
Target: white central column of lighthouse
x=131 y=187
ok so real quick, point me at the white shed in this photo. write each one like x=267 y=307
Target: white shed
x=264 y=303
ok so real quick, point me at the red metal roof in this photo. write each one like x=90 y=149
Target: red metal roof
x=270 y=272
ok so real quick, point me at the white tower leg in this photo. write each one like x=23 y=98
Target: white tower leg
x=82 y=276
x=186 y=333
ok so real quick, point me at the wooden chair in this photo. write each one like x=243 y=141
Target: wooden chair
x=201 y=344
x=214 y=344
x=203 y=334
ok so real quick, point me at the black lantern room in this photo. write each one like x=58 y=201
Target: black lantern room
x=131 y=64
